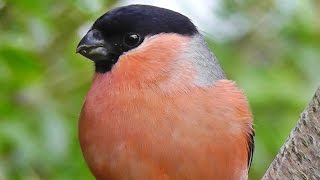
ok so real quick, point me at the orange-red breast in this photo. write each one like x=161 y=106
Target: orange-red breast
x=160 y=106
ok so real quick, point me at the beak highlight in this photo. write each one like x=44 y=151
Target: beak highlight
x=93 y=46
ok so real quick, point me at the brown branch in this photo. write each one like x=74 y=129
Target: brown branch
x=299 y=157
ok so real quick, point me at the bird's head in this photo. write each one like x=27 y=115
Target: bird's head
x=150 y=43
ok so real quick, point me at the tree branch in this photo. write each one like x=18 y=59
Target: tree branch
x=299 y=157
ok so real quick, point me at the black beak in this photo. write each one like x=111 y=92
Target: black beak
x=93 y=46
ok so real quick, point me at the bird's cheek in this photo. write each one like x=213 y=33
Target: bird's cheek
x=154 y=60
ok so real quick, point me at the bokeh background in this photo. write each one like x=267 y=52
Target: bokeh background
x=271 y=48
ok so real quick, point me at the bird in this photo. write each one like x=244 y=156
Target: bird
x=160 y=106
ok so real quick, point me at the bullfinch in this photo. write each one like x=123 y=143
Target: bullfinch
x=160 y=106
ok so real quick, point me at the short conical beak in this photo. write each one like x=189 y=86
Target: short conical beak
x=93 y=46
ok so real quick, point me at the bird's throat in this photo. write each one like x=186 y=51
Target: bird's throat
x=103 y=66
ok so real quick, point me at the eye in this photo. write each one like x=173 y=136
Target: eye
x=131 y=39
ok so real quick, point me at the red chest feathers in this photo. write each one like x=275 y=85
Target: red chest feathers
x=148 y=134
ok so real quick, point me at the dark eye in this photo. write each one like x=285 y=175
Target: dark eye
x=131 y=39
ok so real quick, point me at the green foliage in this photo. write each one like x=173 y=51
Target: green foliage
x=43 y=82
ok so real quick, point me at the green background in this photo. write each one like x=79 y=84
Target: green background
x=43 y=82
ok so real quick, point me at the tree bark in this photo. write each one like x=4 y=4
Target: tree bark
x=299 y=157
